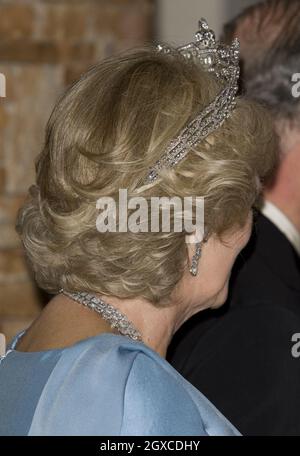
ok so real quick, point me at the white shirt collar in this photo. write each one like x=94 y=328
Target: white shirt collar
x=283 y=223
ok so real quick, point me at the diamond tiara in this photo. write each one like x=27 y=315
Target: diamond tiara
x=221 y=60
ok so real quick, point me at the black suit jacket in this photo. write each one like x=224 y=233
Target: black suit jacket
x=240 y=355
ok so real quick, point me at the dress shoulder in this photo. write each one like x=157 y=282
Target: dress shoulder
x=86 y=384
x=156 y=401
x=110 y=385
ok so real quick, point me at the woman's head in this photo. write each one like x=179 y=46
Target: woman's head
x=104 y=134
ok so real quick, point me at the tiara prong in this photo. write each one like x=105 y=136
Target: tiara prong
x=222 y=61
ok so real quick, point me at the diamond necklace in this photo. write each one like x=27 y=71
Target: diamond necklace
x=109 y=313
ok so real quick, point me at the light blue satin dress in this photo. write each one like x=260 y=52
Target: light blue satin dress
x=104 y=385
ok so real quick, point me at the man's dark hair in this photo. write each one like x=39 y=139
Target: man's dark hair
x=269 y=34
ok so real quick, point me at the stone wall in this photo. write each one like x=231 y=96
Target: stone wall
x=44 y=46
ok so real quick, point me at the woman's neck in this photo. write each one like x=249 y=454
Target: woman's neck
x=156 y=325
x=64 y=322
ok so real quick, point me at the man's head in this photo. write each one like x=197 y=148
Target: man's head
x=269 y=35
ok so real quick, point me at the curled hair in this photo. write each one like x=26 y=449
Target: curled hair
x=103 y=134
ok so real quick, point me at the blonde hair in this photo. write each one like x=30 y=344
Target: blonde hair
x=103 y=134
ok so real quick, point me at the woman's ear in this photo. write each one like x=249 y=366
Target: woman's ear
x=194 y=237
